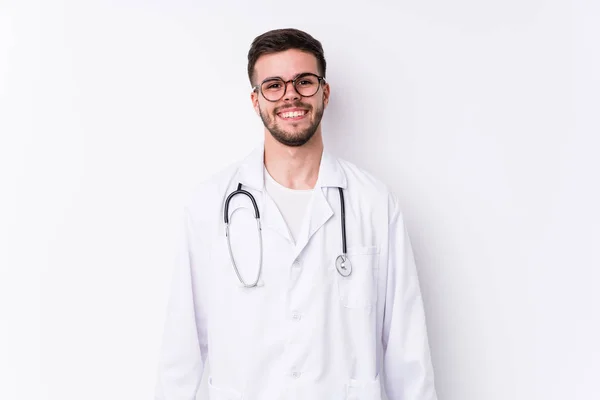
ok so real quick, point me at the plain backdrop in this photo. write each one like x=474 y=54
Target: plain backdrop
x=481 y=116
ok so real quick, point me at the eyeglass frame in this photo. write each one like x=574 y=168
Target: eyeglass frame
x=258 y=87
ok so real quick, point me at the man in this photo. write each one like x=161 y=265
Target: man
x=302 y=284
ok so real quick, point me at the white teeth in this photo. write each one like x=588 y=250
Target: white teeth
x=293 y=114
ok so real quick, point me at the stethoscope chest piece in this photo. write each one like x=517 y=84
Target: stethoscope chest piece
x=343 y=265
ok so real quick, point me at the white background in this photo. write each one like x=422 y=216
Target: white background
x=482 y=116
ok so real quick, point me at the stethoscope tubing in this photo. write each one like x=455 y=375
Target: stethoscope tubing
x=239 y=190
x=343 y=221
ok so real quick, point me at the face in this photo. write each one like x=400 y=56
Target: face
x=294 y=119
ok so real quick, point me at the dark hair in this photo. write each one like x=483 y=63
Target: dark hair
x=278 y=40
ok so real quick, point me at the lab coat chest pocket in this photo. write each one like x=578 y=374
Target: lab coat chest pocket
x=359 y=289
x=364 y=390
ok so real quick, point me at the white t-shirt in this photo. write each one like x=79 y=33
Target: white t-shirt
x=292 y=203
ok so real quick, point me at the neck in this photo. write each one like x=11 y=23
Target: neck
x=294 y=167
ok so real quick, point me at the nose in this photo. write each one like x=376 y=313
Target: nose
x=290 y=92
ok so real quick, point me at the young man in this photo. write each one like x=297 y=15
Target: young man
x=310 y=291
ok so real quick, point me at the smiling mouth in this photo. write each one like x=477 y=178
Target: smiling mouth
x=292 y=115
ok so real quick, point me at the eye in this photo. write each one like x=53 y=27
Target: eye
x=307 y=81
x=272 y=85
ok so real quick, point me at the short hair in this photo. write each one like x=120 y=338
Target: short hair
x=278 y=40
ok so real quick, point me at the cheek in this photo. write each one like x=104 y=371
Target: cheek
x=321 y=104
x=266 y=111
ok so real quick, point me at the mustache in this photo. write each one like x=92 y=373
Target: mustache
x=297 y=104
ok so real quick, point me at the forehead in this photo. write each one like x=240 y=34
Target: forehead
x=285 y=64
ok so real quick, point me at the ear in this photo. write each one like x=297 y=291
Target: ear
x=254 y=99
x=326 y=94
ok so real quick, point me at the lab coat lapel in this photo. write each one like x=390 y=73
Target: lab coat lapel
x=318 y=213
x=319 y=210
x=251 y=175
x=331 y=176
x=273 y=219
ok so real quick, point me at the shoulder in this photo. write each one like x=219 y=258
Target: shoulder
x=363 y=180
x=208 y=193
x=371 y=188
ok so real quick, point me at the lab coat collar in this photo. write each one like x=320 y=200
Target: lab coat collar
x=251 y=170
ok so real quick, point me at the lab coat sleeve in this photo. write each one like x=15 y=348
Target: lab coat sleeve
x=407 y=366
x=184 y=346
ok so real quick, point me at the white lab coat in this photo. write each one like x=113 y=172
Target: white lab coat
x=306 y=332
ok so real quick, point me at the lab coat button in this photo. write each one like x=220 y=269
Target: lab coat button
x=296 y=316
x=296 y=374
x=297 y=262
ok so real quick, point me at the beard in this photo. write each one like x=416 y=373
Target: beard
x=293 y=136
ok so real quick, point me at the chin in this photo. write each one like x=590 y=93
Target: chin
x=292 y=140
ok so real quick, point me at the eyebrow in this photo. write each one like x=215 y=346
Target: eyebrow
x=271 y=78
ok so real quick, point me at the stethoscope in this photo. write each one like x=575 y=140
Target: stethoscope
x=342 y=263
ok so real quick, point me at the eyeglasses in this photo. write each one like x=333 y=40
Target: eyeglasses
x=306 y=85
